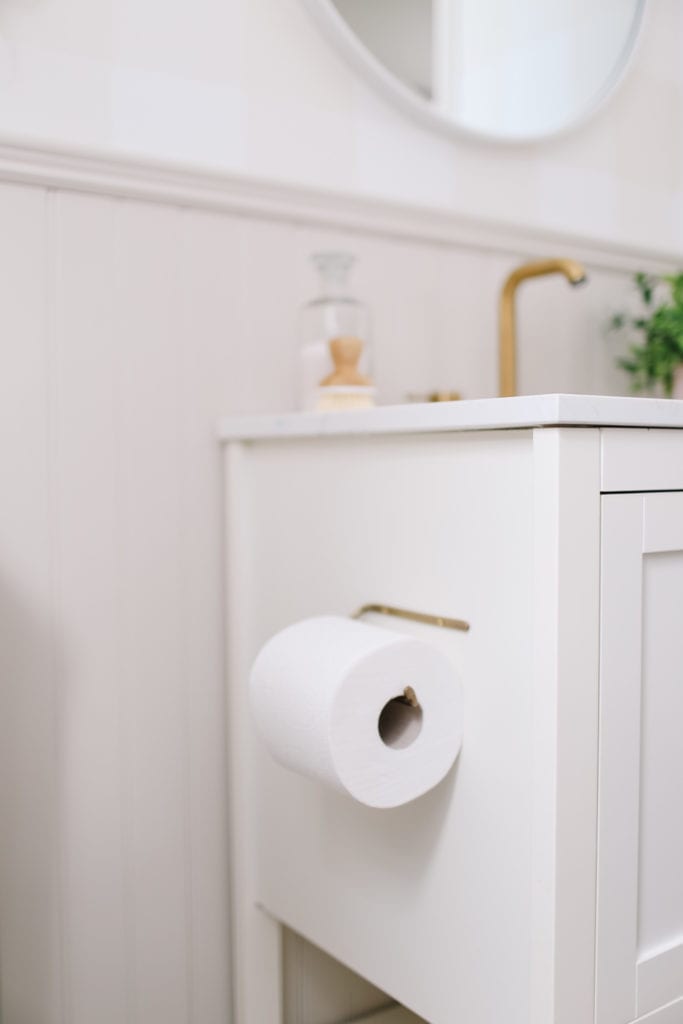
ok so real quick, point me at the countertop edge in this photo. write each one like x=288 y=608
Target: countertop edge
x=519 y=413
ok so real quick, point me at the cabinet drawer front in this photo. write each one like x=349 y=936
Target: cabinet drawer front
x=662 y=522
x=641 y=460
x=640 y=825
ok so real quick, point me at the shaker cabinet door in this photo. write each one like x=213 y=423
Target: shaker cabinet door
x=640 y=822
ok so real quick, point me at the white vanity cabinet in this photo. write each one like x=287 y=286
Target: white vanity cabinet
x=542 y=881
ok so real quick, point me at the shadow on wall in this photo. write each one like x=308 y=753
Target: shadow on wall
x=29 y=834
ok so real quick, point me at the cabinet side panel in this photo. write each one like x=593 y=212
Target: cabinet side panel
x=430 y=902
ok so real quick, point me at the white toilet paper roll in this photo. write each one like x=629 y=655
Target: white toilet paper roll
x=331 y=698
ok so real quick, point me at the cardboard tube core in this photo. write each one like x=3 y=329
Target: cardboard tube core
x=400 y=720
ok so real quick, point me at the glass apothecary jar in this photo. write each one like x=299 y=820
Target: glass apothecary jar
x=334 y=313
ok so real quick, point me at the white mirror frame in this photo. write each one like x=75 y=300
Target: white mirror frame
x=344 y=40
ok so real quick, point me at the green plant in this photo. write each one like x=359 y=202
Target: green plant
x=655 y=360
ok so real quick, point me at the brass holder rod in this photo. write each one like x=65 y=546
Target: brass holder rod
x=441 y=621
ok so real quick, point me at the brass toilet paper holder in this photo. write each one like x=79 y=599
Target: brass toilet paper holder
x=442 y=621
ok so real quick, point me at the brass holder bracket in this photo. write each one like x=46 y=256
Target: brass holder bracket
x=441 y=621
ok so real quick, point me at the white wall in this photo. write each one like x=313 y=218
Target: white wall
x=251 y=86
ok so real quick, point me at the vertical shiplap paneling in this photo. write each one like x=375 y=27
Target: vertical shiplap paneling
x=266 y=353
x=85 y=351
x=152 y=651
x=219 y=368
x=142 y=367
x=31 y=648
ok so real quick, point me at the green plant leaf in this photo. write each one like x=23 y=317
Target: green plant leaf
x=654 y=361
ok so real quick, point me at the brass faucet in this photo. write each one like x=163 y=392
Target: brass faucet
x=574 y=273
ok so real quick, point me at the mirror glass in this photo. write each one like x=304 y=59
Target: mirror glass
x=493 y=68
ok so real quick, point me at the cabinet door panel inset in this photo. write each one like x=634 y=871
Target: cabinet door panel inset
x=640 y=827
x=660 y=898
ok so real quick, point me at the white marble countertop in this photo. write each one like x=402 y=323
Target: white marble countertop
x=479 y=414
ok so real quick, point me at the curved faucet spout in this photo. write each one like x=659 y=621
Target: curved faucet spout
x=574 y=273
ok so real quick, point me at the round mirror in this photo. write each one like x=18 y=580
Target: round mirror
x=510 y=71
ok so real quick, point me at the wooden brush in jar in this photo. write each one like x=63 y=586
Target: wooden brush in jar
x=346 y=387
